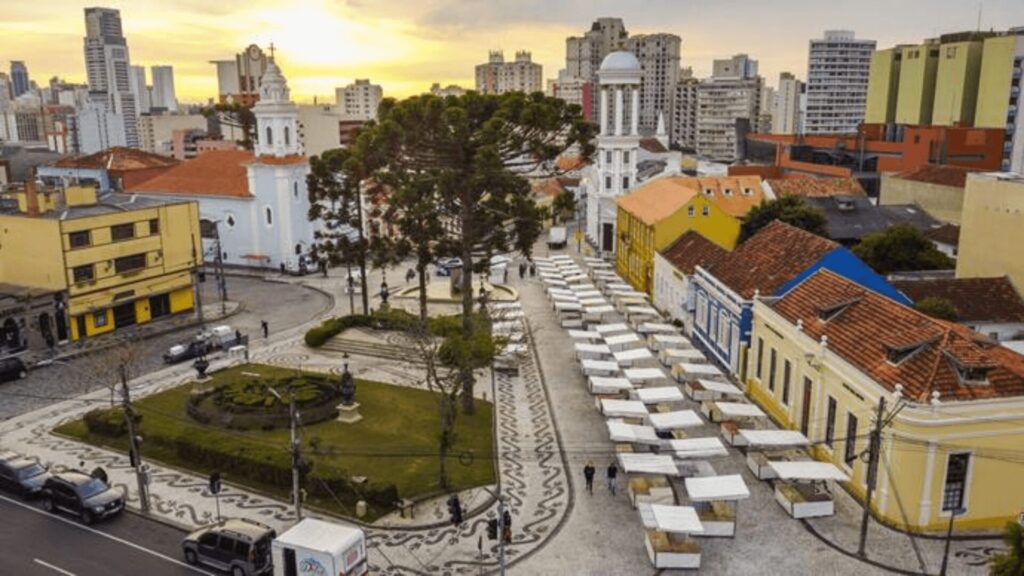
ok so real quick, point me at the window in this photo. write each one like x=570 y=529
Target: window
x=702 y=312
x=241 y=549
x=625 y=182
x=709 y=192
x=851 y=438
x=287 y=136
x=727 y=191
x=608 y=182
x=230 y=221
x=79 y=239
x=99 y=319
x=957 y=466
x=269 y=215
x=830 y=422
x=608 y=157
x=723 y=329
x=691 y=211
x=83 y=273
x=705 y=211
x=226 y=544
x=786 y=369
x=295 y=189
x=760 y=355
x=950 y=52
x=130 y=263
x=771 y=370
x=122 y=232
x=154 y=227
x=625 y=156
x=270 y=136
x=748 y=192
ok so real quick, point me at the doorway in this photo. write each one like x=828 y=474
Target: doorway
x=124 y=315
x=159 y=306
x=805 y=417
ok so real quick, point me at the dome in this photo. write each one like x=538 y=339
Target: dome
x=620 y=61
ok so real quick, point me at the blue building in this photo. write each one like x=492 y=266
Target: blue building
x=767 y=265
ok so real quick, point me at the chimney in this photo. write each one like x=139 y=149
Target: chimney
x=31 y=199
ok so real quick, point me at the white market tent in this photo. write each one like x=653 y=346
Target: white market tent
x=711 y=488
x=669 y=341
x=731 y=410
x=568 y=307
x=672 y=519
x=667 y=538
x=721 y=388
x=674 y=420
x=564 y=298
x=796 y=496
x=606 y=385
x=644 y=375
x=658 y=395
x=640 y=463
x=657 y=328
x=619 y=431
x=577 y=288
x=560 y=292
x=641 y=311
x=773 y=438
x=577 y=278
x=555 y=282
x=808 y=471
x=593 y=301
x=623 y=408
x=608 y=329
x=703 y=447
x=591 y=351
x=596 y=313
x=689 y=371
x=630 y=357
x=622 y=286
x=623 y=341
x=682 y=356
x=599 y=367
x=584 y=335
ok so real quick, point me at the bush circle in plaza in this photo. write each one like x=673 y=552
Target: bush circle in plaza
x=246 y=401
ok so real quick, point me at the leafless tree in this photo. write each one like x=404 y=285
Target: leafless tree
x=443 y=380
x=103 y=367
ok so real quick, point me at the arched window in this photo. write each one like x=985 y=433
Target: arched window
x=270 y=136
x=287 y=136
x=298 y=249
x=270 y=216
x=229 y=220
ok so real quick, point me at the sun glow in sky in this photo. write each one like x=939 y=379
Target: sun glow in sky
x=407 y=45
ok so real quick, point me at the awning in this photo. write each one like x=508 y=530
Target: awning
x=703 y=447
x=674 y=420
x=659 y=395
x=619 y=431
x=773 y=438
x=643 y=374
x=607 y=329
x=657 y=328
x=623 y=408
x=607 y=385
x=739 y=410
x=807 y=470
x=634 y=463
x=709 y=488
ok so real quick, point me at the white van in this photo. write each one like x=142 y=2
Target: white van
x=317 y=548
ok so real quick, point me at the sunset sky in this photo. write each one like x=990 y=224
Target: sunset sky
x=405 y=46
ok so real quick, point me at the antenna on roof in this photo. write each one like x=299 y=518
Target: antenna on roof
x=981 y=5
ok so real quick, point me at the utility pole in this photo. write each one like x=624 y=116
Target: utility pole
x=874 y=447
x=195 y=282
x=222 y=282
x=351 y=290
x=135 y=455
x=294 y=448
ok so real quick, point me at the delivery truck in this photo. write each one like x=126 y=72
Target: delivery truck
x=318 y=548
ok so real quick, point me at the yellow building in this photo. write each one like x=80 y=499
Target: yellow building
x=956 y=83
x=825 y=354
x=918 y=67
x=656 y=214
x=883 y=86
x=118 y=261
x=992 y=228
x=1000 y=66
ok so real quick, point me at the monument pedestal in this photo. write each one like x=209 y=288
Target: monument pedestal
x=349 y=413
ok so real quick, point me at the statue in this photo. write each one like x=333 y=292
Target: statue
x=348 y=387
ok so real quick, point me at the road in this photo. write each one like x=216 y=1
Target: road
x=36 y=543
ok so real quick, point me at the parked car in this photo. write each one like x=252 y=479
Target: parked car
x=444 y=265
x=77 y=493
x=238 y=546
x=20 y=475
x=183 y=352
x=12 y=368
x=300 y=265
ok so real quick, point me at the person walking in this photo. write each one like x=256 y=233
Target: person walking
x=613 y=471
x=533 y=270
x=265 y=327
x=506 y=524
x=588 y=474
x=522 y=270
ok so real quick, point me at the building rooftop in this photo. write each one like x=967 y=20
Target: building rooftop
x=935 y=174
x=807 y=187
x=768 y=260
x=692 y=249
x=897 y=345
x=212 y=173
x=653 y=145
x=975 y=299
x=658 y=199
x=620 y=61
x=118 y=159
x=945 y=234
x=736 y=195
x=850 y=218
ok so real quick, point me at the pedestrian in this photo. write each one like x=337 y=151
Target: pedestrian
x=522 y=270
x=323 y=268
x=506 y=524
x=282 y=269
x=504 y=272
x=265 y=327
x=238 y=337
x=410 y=275
x=613 y=471
x=588 y=474
x=533 y=270
x=100 y=474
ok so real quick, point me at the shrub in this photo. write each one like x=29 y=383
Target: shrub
x=108 y=421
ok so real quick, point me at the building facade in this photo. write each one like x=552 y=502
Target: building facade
x=837 y=82
x=498 y=76
x=1000 y=99
x=108 y=69
x=143 y=96
x=658 y=55
x=359 y=100
x=584 y=54
x=238 y=80
x=573 y=90
x=785 y=111
x=728 y=107
x=992 y=227
x=673 y=275
x=163 y=95
x=684 y=113
x=20 y=82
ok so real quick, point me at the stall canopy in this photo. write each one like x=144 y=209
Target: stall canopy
x=739 y=410
x=643 y=374
x=599 y=365
x=634 y=355
x=671 y=519
x=657 y=328
x=584 y=335
x=675 y=420
x=641 y=311
x=723 y=388
x=606 y=385
x=628 y=338
x=592 y=348
x=633 y=463
x=607 y=329
x=598 y=310
x=773 y=438
x=704 y=447
x=619 y=431
x=623 y=408
x=699 y=369
x=711 y=488
x=659 y=394
x=807 y=471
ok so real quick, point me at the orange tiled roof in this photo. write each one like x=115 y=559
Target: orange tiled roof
x=659 y=199
x=975 y=299
x=692 y=249
x=935 y=174
x=870 y=326
x=777 y=254
x=807 y=187
x=736 y=195
x=212 y=173
x=569 y=163
x=117 y=159
x=548 y=187
x=283 y=160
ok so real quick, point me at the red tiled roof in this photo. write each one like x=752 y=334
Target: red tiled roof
x=212 y=173
x=941 y=175
x=807 y=187
x=283 y=160
x=117 y=159
x=777 y=254
x=548 y=187
x=975 y=299
x=692 y=249
x=871 y=326
x=570 y=163
x=945 y=234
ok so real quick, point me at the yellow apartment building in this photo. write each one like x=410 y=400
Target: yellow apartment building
x=992 y=228
x=883 y=86
x=827 y=352
x=916 y=95
x=956 y=83
x=117 y=260
x=656 y=214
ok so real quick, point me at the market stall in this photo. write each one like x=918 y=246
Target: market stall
x=703 y=389
x=657 y=395
x=588 y=351
x=716 y=500
x=667 y=538
x=634 y=357
x=608 y=385
x=804 y=489
x=659 y=342
x=623 y=409
x=599 y=367
x=686 y=371
x=702 y=447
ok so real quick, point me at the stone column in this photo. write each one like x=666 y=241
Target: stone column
x=604 y=111
x=636 y=111
x=618 y=111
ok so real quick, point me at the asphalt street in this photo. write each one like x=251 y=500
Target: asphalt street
x=37 y=543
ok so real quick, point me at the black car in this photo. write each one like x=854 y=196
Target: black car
x=239 y=546
x=20 y=475
x=182 y=352
x=12 y=368
x=77 y=493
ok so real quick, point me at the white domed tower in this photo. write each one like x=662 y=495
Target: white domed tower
x=277 y=117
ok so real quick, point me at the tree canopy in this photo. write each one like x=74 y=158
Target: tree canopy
x=235 y=115
x=940 y=308
x=791 y=210
x=901 y=248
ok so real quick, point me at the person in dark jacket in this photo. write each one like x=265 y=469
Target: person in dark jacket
x=588 y=474
x=613 y=472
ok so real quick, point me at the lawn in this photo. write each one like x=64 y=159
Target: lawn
x=395 y=442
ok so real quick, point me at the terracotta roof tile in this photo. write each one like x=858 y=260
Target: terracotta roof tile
x=278 y=161
x=118 y=159
x=941 y=175
x=213 y=173
x=736 y=195
x=570 y=163
x=548 y=187
x=777 y=254
x=807 y=187
x=660 y=198
x=692 y=249
x=867 y=330
x=975 y=299
x=945 y=234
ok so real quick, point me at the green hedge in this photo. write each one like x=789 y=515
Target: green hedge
x=389 y=319
x=108 y=421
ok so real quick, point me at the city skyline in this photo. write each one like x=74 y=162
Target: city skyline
x=407 y=46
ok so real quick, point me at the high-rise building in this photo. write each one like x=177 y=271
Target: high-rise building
x=786 y=107
x=359 y=100
x=572 y=90
x=584 y=54
x=1000 y=102
x=658 y=55
x=918 y=68
x=728 y=107
x=143 y=99
x=444 y=91
x=108 y=69
x=837 y=82
x=238 y=80
x=5 y=91
x=684 y=113
x=498 y=76
x=163 y=88
x=19 y=78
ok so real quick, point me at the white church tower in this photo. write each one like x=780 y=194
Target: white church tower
x=277 y=117
x=618 y=145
